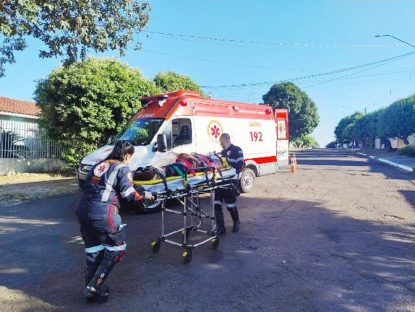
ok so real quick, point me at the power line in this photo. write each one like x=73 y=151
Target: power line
x=352 y=74
x=207 y=59
x=271 y=43
x=312 y=76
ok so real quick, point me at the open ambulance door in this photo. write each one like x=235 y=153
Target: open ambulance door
x=281 y=124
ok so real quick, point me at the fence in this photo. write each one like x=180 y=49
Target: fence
x=23 y=139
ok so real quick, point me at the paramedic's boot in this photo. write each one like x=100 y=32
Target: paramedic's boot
x=93 y=261
x=95 y=289
x=101 y=295
x=220 y=223
x=90 y=294
x=235 y=218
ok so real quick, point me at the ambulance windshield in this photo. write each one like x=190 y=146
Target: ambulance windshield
x=141 y=131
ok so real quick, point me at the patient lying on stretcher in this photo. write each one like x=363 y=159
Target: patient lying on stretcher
x=173 y=164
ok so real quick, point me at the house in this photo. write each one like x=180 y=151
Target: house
x=23 y=147
x=19 y=116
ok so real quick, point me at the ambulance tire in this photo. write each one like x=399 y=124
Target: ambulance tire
x=144 y=208
x=151 y=207
x=247 y=180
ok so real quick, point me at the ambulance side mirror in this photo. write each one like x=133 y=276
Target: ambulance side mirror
x=161 y=143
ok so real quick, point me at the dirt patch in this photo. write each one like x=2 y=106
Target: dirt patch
x=28 y=186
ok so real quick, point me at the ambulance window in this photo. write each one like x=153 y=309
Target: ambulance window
x=168 y=132
x=181 y=131
x=281 y=129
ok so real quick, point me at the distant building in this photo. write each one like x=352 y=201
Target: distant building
x=23 y=146
x=20 y=117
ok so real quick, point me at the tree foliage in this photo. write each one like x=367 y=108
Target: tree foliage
x=302 y=114
x=86 y=103
x=69 y=28
x=306 y=141
x=171 y=81
x=396 y=120
x=344 y=130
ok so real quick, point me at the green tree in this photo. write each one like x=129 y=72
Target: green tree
x=366 y=128
x=302 y=114
x=171 y=81
x=69 y=28
x=306 y=141
x=344 y=130
x=86 y=103
x=398 y=119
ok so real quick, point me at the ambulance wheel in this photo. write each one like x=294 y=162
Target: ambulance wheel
x=247 y=180
x=215 y=243
x=145 y=207
x=155 y=246
x=187 y=256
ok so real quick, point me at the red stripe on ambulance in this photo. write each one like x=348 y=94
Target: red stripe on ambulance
x=263 y=160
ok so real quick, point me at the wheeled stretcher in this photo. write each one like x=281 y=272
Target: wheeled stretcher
x=186 y=190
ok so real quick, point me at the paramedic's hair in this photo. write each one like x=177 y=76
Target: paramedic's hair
x=225 y=136
x=121 y=149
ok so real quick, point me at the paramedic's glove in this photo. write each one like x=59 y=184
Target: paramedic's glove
x=148 y=195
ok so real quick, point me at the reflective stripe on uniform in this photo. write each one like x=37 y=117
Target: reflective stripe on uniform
x=236 y=160
x=128 y=192
x=94 y=249
x=231 y=205
x=116 y=248
x=217 y=202
x=110 y=183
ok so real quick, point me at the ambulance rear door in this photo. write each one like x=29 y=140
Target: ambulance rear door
x=281 y=124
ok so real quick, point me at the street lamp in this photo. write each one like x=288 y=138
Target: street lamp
x=396 y=38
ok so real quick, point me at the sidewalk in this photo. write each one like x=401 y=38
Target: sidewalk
x=390 y=158
x=28 y=186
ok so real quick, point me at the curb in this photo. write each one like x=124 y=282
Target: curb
x=388 y=162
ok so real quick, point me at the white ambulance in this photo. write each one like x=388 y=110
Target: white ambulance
x=186 y=122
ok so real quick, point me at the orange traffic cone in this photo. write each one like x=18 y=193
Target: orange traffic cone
x=293 y=164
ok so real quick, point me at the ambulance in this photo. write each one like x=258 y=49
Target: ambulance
x=183 y=121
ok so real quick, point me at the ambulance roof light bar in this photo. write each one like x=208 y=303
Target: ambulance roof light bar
x=161 y=98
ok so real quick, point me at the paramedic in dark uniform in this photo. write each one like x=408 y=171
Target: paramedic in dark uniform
x=228 y=195
x=97 y=211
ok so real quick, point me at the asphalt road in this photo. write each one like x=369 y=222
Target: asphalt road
x=336 y=236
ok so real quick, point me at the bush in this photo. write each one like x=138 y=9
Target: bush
x=408 y=150
x=171 y=81
x=305 y=142
x=86 y=103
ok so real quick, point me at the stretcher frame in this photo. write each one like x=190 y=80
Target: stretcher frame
x=193 y=214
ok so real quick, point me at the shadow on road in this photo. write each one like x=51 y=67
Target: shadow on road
x=290 y=255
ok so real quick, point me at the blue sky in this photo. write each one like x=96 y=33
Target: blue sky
x=281 y=40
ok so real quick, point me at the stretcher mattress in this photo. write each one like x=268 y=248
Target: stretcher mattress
x=178 y=183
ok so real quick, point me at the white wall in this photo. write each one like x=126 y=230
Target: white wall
x=13 y=165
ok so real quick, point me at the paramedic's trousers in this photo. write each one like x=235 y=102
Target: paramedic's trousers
x=104 y=240
x=226 y=195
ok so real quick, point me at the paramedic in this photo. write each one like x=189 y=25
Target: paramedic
x=101 y=225
x=235 y=158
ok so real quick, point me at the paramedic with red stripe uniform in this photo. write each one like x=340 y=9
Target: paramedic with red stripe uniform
x=97 y=212
x=235 y=158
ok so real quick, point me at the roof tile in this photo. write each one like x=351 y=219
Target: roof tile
x=18 y=107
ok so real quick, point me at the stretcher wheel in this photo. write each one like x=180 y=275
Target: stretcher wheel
x=155 y=246
x=215 y=243
x=187 y=256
